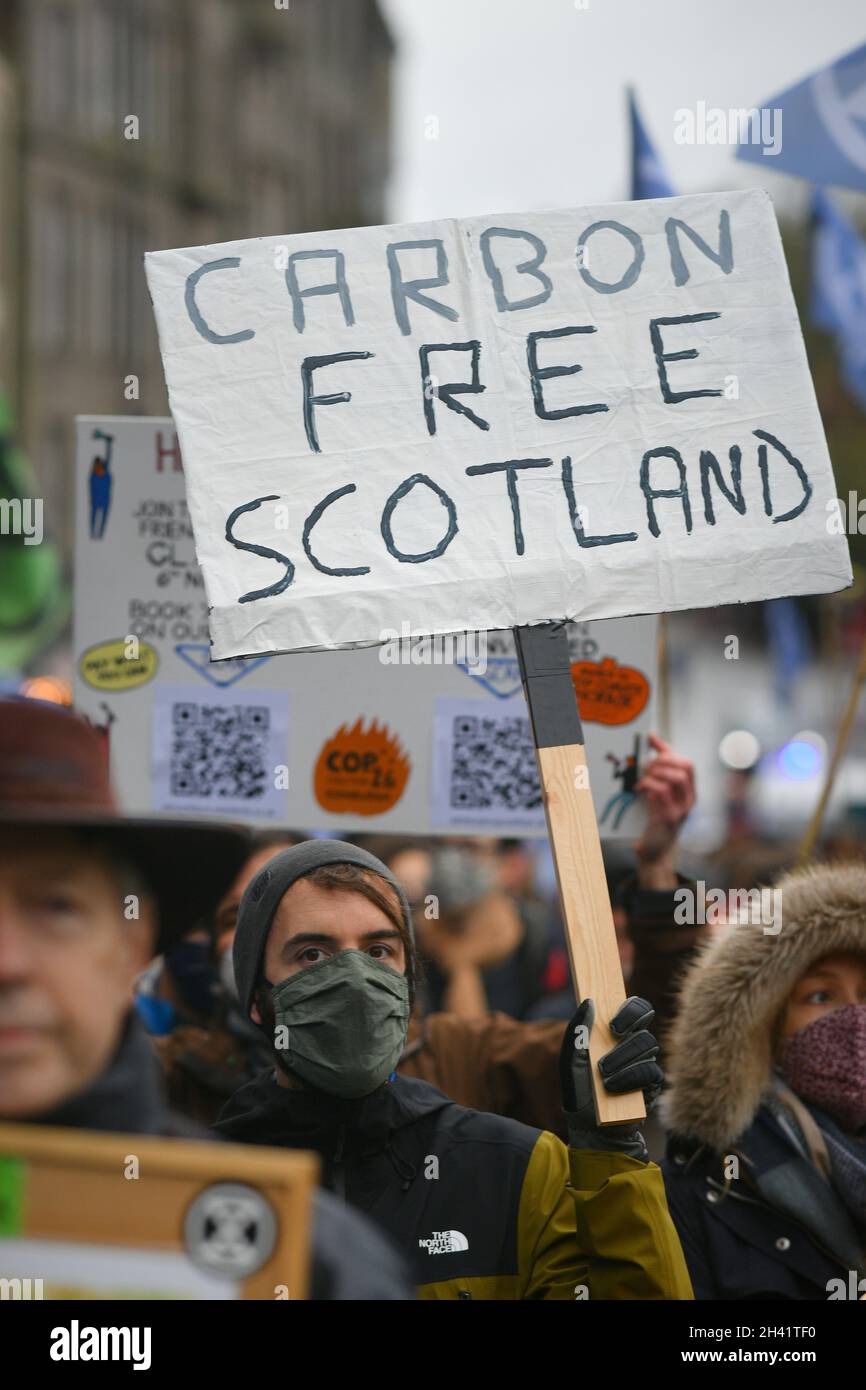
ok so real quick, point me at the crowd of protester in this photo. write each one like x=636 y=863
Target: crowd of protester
x=425 y=989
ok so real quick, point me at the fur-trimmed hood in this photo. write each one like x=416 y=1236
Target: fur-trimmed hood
x=720 y=1048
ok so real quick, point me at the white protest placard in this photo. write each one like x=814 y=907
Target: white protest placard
x=495 y=421
x=407 y=738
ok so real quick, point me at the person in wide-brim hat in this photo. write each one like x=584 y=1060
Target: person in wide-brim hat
x=87 y=897
x=54 y=773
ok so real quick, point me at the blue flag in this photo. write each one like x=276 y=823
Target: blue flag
x=838 y=303
x=648 y=176
x=819 y=126
x=790 y=646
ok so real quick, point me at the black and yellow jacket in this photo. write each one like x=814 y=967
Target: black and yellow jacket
x=480 y=1206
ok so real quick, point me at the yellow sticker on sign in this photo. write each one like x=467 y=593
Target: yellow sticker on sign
x=122 y=664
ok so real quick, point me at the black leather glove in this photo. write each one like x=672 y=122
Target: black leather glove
x=630 y=1066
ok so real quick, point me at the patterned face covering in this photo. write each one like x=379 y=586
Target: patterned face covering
x=825 y=1063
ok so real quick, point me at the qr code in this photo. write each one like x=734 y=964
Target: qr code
x=493 y=765
x=219 y=751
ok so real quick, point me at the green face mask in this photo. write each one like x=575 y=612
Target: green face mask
x=341 y=1024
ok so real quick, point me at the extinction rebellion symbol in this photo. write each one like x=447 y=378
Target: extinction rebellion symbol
x=230 y=1229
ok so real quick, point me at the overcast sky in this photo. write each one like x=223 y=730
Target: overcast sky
x=529 y=95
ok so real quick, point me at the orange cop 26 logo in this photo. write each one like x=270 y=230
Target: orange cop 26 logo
x=361 y=771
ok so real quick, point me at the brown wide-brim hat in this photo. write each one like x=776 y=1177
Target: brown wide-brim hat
x=54 y=776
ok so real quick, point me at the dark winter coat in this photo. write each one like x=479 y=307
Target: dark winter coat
x=776 y=1231
x=479 y=1206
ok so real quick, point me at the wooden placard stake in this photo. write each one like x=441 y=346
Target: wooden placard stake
x=590 y=933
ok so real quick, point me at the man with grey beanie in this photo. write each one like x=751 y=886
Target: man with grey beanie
x=481 y=1206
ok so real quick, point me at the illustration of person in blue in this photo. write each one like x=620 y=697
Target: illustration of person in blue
x=625 y=770
x=100 y=487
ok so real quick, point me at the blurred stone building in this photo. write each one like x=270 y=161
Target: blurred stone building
x=131 y=125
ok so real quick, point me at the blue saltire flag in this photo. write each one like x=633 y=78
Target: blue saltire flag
x=817 y=128
x=648 y=175
x=838 y=302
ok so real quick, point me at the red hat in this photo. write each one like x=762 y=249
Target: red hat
x=54 y=775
